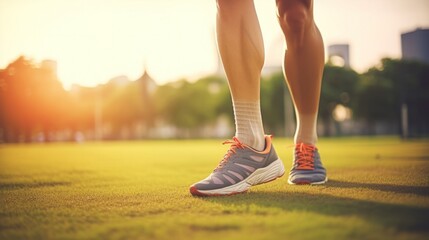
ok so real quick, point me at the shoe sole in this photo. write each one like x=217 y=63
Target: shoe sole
x=262 y=175
x=307 y=182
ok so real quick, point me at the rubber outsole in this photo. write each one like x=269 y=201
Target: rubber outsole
x=194 y=191
x=308 y=182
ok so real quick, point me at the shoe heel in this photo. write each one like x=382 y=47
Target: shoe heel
x=267 y=174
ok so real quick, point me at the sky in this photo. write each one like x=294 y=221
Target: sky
x=93 y=41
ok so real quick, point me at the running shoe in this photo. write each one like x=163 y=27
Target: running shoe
x=241 y=168
x=307 y=167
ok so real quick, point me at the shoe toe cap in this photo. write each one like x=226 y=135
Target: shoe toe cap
x=194 y=191
x=306 y=178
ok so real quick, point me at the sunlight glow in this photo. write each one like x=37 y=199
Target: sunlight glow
x=94 y=41
x=341 y=113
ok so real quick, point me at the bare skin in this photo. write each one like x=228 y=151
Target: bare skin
x=241 y=47
x=303 y=63
x=242 y=51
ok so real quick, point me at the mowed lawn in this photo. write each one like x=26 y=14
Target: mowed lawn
x=378 y=189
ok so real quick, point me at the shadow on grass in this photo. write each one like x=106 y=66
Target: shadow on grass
x=418 y=190
x=399 y=217
x=23 y=185
x=415 y=158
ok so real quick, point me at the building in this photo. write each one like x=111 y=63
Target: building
x=415 y=45
x=339 y=50
x=50 y=66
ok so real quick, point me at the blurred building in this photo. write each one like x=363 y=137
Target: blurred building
x=147 y=83
x=49 y=65
x=415 y=45
x=148 y=87
x=339 y=52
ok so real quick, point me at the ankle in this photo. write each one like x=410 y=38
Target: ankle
x=248 y=123
x=309 y=140
x=256 y=142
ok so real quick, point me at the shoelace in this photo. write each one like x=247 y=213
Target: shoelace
x=235 y=143
x=304 y=156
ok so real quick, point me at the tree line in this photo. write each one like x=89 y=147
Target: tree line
x=35 y=107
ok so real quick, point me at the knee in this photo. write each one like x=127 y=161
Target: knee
x=227 y=6
x=294 y=16
x=222 y=4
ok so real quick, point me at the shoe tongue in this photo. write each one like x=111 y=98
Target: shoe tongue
x=301 y=147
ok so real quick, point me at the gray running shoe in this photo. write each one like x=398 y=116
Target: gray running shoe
x=307 y=167
x=241 y=168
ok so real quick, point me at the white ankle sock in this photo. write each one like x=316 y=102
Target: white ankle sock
x=248 y=124
x=306 y=129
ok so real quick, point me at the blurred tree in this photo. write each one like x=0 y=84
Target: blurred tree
x=19 y=106
x=272 y=103
x=33 y=101
x=385 y=88
x=82 y=114
x=3 y=100
x=377 y=100
x=123 y=106
x=338 y=87
x=217 y=91
x=192 y=105
x=50 y=100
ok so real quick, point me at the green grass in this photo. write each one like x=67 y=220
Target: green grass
x=378 y=189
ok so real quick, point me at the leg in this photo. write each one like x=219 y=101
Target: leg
x=251 y=159
x=242 y=51
x=303 y=64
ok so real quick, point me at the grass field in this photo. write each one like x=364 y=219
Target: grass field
x=378 y=189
